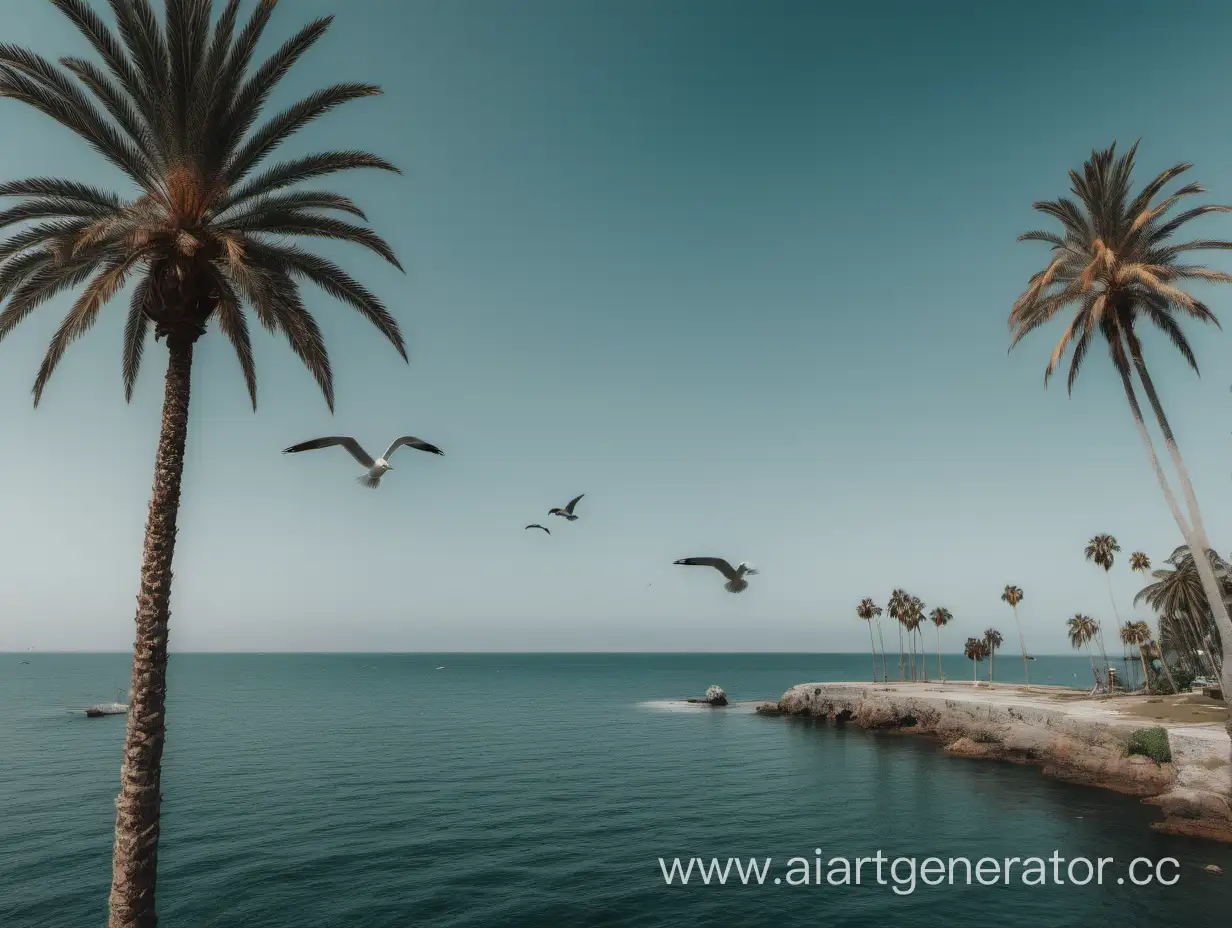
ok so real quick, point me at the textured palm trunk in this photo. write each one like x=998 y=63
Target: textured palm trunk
x=940 y=668
x=872 y=646
x=900 y=652
x=1117 y=615
x=1193 y=534
x=134 y=868
x=1146 y=675
x=1022 y=644
x=1163 y=662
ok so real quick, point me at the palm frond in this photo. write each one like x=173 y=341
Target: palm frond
x=334 y=281
x=82 y=316
x=289 y=222
x=234 y=326
x=308 y=167
x=281 y=127
x=136 y=330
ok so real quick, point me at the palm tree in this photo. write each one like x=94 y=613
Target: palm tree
x=1138 y=563
x=975 y=650
x=1115 y=262
x=915 y=618
x=1081 y=631
x=992 y=641
x=1179 y=592
x=1013 y=595
x=1101 y=551
x=176 y=107
x=897 y=607
x=940 y=617
x=869 y=610
x=1148 y=643
x=1131 y=636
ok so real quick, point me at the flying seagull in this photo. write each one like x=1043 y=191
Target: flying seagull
x=735 y=575
x=376 y=469
x=567 y=512
x=537 y=525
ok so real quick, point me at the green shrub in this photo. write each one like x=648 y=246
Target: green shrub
x=1151 y=742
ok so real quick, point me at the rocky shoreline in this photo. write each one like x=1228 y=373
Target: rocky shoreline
x=1072 y=738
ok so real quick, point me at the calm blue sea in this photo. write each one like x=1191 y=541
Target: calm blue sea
x=305 y=791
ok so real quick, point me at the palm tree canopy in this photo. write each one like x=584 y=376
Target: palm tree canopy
x=1082 y=628
x=868 y=610
x=993 y=639
x=941 y=616
x=975 y=649
x=1102 y=550
x=1012 y=595
x=208 y=227
x=1139 y=561
x=1114 y=261
x=1131 y=633
x=1178 y=591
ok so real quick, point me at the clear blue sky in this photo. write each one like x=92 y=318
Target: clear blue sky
x=738 y=271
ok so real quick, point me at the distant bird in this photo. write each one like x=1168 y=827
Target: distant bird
x=377 y=468
x=567 y=512
x=537 y=525
x=735 y=575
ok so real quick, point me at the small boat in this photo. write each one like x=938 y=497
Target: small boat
x=106 y=708
x=442 y=667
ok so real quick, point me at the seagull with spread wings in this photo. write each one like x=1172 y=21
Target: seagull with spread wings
x=567 y=512
x=375 y=469
x=735 y=575
x=537 y=525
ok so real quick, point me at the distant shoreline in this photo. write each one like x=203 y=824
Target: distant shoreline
x=1070 y=736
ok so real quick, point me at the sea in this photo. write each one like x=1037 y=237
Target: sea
x=553 y=790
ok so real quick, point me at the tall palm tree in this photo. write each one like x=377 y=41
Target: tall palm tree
x=201 y=234
x=1116 y=264
x=915 y=619
x=975 y=650
x=868 y=611
x=1139 y=563
x=1081 y=631
x=897 y=607
x=1131 y=636
x=1013 y=595
x=940 y=617
x=1101 y=551
x=992 y=641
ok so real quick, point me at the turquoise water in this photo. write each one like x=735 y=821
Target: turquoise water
x=537 y=790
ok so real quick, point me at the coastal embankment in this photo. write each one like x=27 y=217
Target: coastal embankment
x=1068 y=734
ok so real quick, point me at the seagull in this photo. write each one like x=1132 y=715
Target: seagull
x=567 y=512
x=537 y=525
x=377 y=468
x=735 y=575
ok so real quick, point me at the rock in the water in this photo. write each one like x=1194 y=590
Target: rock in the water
x=715 y=696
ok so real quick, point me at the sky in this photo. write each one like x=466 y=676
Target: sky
x=737 y=271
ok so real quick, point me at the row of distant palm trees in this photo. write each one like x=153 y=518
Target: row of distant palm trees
x=908 y=611
x=1188 y=635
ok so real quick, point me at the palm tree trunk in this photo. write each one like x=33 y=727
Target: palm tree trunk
x=1022 y=644
x=1145 y=673
x=872 y=647
x=1116 y=615
x=974 y=677
x=900 y=652
x=885 y=673
x=940 y=669
x=134 y=867
x=1163 y=662
x=1196 y=538
x=1091 y=658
